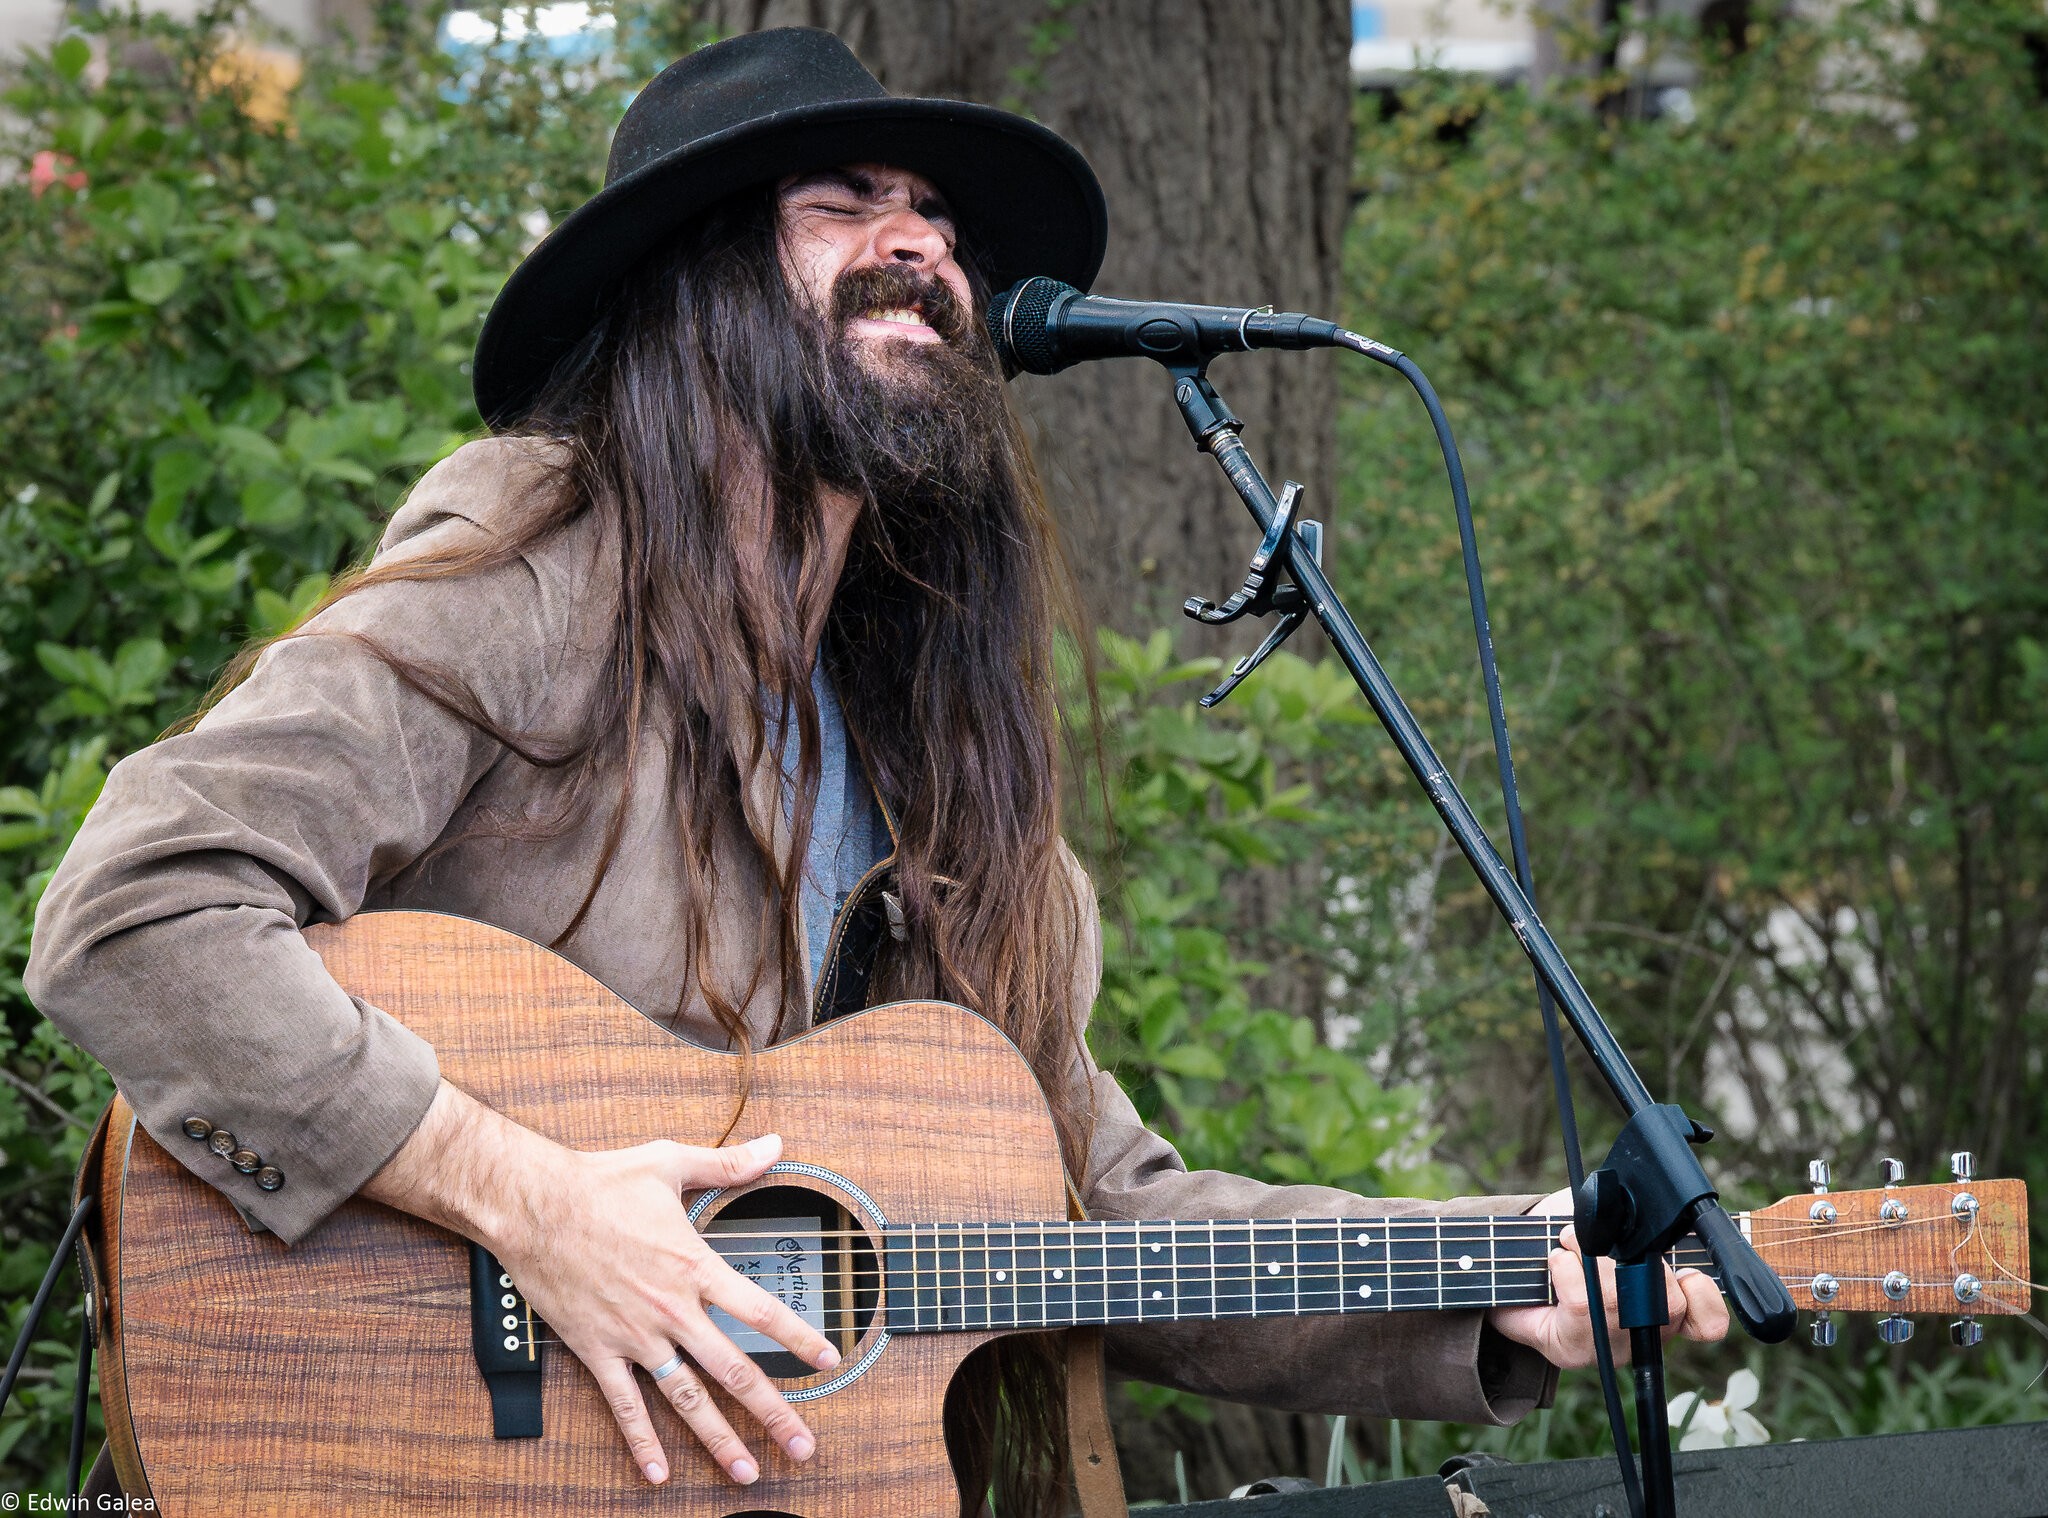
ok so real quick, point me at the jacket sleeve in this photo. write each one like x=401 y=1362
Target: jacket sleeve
x=168 y=943
x=1449 y=1365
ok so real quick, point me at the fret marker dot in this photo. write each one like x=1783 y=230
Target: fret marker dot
x=1273 y=1269
x=1159 y=1296
x=1059 y=1275
x=1155 y=1249
x=1364 y=1291
x=1002 y=1275
x=1464 y=1262
x=1362 y=1242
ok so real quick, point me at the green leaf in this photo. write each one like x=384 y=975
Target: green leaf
x=173 y=477
x=346 y=470
x=103 y=494
x=139 y=666
x=71 y=56
x=1196 y=1061
x=272 y=501
x=72 y=666
x=155 y=281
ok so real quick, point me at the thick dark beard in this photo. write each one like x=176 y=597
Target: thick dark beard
x=908 y=425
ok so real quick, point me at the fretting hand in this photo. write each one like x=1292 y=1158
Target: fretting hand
x=1563 y=1332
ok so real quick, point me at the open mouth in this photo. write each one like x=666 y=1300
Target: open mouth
x=906 y=320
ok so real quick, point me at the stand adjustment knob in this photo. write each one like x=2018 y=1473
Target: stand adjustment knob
x=1895 y=1330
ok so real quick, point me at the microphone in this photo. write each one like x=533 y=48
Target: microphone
x=1041 y=326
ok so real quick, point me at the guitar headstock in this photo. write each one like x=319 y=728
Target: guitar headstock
x=1958 y=1249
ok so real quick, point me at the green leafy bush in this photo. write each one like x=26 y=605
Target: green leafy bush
x=1197 y=798
x=225 y=349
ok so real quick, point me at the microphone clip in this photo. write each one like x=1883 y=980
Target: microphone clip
x=1268 y=587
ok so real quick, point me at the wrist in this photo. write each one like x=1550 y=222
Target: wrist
x=470 y=1169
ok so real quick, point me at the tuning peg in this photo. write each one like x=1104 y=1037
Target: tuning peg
x=1820 y=1176
x=1894 y=1210
x=1823 y=1331
x=1963 y=1166
x=1895 y=1330
x=1966 y=1333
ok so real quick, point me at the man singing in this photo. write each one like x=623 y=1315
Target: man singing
x=725 y=668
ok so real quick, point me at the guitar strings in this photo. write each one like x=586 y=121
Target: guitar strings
x=1515 y=1274
x=1518 y=1229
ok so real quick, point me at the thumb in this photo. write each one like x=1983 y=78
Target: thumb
x=730 y=1165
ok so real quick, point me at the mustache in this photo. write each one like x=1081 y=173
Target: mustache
x=886 y=287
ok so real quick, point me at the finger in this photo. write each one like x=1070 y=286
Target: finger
x=740 y=1378
x=1677 y=1306
x=685 y=1392
x=622 y=1396
x=1568 y=1280
x=766 y=1314
x=1568 y=1238
x=1706 y=1308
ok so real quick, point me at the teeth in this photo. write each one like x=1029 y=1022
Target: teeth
x=903 y=315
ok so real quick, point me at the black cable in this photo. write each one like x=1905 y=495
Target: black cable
x=41 y=1302
x=1560 y=1076
x=81 y=1401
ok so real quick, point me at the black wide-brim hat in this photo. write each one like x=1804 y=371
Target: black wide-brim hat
x=752 y=110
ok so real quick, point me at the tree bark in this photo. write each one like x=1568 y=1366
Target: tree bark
x=1222 y=136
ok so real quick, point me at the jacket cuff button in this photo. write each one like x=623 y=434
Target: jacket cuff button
x=245 y=1160
x=269 y=1178
x=198 y=1129
x=222 y=1143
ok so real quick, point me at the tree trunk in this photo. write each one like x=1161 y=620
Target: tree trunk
x=1222 y=136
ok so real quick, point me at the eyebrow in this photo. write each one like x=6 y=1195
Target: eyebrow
x=863 y=187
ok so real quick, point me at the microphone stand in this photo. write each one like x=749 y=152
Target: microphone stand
x=1652 y=1191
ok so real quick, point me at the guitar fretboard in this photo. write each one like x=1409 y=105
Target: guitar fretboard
x=946 y=1277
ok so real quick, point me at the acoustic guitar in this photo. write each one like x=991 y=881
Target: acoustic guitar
x=385 y=1366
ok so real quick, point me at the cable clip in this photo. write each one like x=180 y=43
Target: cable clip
x=1264 y=591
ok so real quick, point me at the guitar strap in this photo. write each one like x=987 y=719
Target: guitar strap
x=1098 y=1478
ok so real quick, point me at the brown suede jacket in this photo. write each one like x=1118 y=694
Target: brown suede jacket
x=168 y=945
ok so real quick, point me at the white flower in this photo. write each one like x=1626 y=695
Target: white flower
x=1726 y=1424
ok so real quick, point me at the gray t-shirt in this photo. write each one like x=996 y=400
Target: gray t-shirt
x=848 y=835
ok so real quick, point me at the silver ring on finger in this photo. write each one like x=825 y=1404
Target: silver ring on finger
x=667 y=1367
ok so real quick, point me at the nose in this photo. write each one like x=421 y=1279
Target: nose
x=905 y=237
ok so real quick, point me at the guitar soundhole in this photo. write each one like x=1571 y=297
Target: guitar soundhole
x=804 y=1247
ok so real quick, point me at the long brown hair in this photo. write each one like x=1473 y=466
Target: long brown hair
x=695 y=417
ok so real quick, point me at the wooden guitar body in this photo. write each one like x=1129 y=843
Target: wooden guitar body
x=337 y=1376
